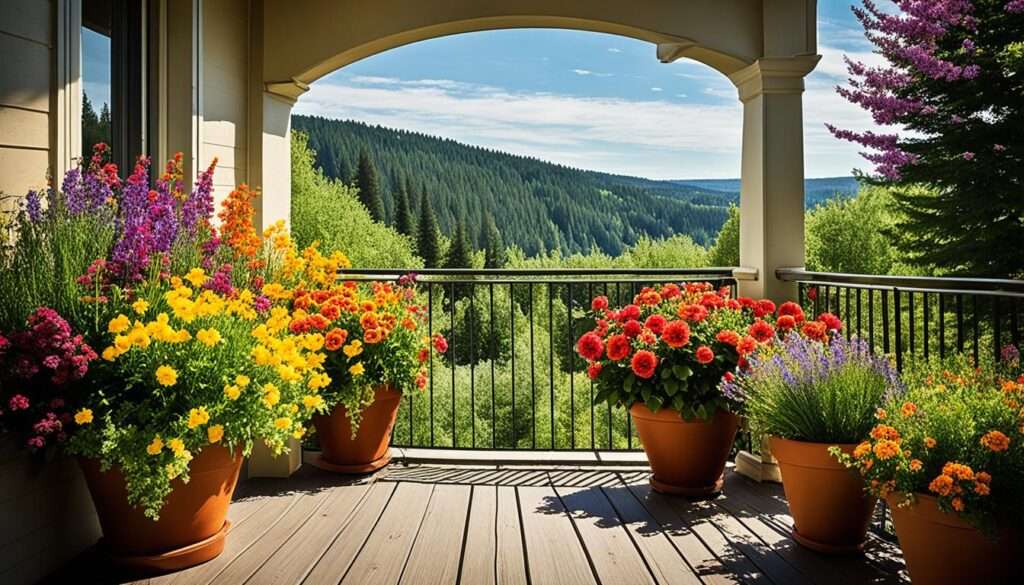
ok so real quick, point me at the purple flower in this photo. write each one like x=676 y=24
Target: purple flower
x=198 y=208
x=33 y=206
x=1010 y=354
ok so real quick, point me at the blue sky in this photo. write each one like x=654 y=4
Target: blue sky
x=587 y=100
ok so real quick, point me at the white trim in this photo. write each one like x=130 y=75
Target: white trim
x=68 y=87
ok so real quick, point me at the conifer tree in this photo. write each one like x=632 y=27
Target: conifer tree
x=428 y=244
x=494 y=246
x=369 y=189
x=403 y=213
x=460 y=254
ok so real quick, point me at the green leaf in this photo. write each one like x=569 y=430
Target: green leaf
x=678 y=402
x=682 y=372
x=629 y=382
x=645 y=393
x=666 y=373
x=671 y=387
x=653 y=403
x=702 y=412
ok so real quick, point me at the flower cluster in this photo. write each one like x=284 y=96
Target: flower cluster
x=956 y=435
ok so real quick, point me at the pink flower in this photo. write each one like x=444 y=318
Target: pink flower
x=968 y=155
x=18 y=402
x=37 y=442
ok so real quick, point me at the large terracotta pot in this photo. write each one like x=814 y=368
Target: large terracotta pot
x=830 y=509
x=369 y=450
x=687 y=457
x=192 y=523
x=942 y=549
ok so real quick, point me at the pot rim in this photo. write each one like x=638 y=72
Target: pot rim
x=808 y=454
x=667 y=414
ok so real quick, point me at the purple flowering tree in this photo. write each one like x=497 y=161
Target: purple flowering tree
x=951 y=97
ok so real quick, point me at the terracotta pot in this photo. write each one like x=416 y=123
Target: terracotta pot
x=369 y=450
x=192 y=523
x=831 y=512
x=942 y=549
x=687 y=457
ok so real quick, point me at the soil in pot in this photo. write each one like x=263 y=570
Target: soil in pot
x=831 y=512
x=942 y=549
x=369 y=450
x=192 y=523
x=687 y=457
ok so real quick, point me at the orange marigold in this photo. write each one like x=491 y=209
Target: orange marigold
x=982 y=489
x=983 y=477
x=908 y=409
x=236 y=217
x=996 y=441
x=886 y=449
x=916 y=465
x=958 y=471
x=958 y=504
x=880 y=414
x=942 y=485
x=885 y=432
x=862 y=450
x=929 y=442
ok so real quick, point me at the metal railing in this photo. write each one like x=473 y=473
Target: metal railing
x=510 y=379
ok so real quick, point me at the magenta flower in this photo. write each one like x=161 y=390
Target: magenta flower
x=968 y=155
x=18 y=402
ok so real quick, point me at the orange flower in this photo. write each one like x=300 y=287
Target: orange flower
x=880 y=414
x=236 y=217
x=958 y=470
x=983 y=477
x=335 y=338
x=885 y=432
x=916 y=465
x=862 y=450
x=958 y=504
x=908 y=409
x=929 y=442
x=982 y=489
x=373 y=336
x=942 y=485
x=886 y=449
x=996 y=441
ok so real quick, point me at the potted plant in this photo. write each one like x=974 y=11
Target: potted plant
x=375 y=351
x=663 y=357
x=949 y=459
x=807 y=396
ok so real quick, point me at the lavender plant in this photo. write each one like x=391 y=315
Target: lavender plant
x=803 y=390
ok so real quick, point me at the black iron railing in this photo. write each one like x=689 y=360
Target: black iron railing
x=510 y=378
x=911 y=316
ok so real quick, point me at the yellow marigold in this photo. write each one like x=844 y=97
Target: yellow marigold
x=122 y=344
x=886 y=449
x=353 y=349
x=299 y=431
x=929 y=442
x=271 y=395
x=996 y=441
x=287 y=373
x=357 y=369
x=177 y=446
x=155 y=446
x=196 y=276
x=942 y=485
x=232 y=391
x=166 y=376
x=312 y=401
x=283 y=423
x=84 y=416
x=140 y=306
x=916 y=465
x=262 y=356
x=318 y=381
x=110 y=353
x=198 y=416
x=242 y=380
x=182 y=335
x=138 y=336
x=208 y=337
x=119 y=324
x=215 y=433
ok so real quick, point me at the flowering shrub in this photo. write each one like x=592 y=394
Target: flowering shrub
x=673 y=346
x=805 y=390
x=957 y=435
x=39 y=363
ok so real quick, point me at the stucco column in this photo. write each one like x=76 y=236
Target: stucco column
x=772 y=174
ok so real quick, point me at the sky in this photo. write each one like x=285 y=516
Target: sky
x=589 y=100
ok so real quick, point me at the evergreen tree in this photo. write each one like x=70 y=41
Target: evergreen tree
x=460 y=254
x=494 y=247
x=403 y=213
x=951 y=86
x=428 y=237
x=369 y=190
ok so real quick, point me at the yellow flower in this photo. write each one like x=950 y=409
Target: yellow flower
x=140 y=306
x=197 y=276
x=84 y=416
x=283 y=423
x=299 y=431
x=119 y=324
x=166 y=376
x=318 y=381
x=242 y=380
x=198 y=416
x=156 y=446
x=262 y=356
x=138 y=336
x=110 y=353
x=122 y=343
x=182 y=336
x=353 y=349
x=177 y=446
x=215 y=433
x=208 y=337
x=271 y=395
x=311 y=401
x=287 y=373
x=313 y=342
x=172 y=472
x=232 y=391
x=176 y=282
x=357 y=369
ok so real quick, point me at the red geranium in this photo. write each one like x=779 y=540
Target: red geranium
x=728 y=337
x=632 y=328
x=618 y=347
x=693 y=313
x=793 y=310
x=594 y=370
x=816 y=330
x=761 y=330
x=676 y=334
x=599 y=303
x=704 y=355
x=590 y=347
x=440 y=343
x=746 y=346
x=764 y=307
x=832 y=322
x=656 y=323
x=785 y=322
x=644 y=363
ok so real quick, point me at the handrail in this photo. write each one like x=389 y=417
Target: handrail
x=921 y=283
x=504 y=272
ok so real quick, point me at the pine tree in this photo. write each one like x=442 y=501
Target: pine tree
x=460 y=254
x=403 y=213
x=428 y=244
x=494 y=247
x=369 y=190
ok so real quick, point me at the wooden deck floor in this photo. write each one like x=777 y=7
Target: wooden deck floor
x=426 y=524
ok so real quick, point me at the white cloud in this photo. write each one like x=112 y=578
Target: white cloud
x=582 y=71
x=656 y=89
x=614 y=50
x=682 y=95
x=721 y=92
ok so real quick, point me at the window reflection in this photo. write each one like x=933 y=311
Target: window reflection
x=97 y=68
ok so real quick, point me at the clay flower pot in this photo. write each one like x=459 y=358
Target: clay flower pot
x=831 y=512
x=192 y=523
x=942 y=549
x=687 y=457
x=369 y=450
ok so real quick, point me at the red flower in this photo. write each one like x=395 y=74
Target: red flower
x=812 y=293
x=693 y=313
x=440 y=343
x=648 y=296
x=761 y=330
x=785 y=322
x=728 y=377
x=629 y=312
x=764 y=307
x=728 y=337
x=733 y=304
x=670 y=291
x=330 y=312
x=793 y=310
x=618 y=347
x=644 y=363
x=335 y=339
x=747 y=302
x=712 y=300
x=423 y=355
x=590 y=347
x=831 y=321
x=599 y=303
x=676 y=334
x=319 y=322
x=815 y=330
x=705 y=355
x=632 y=328
x=746 y=346
x=656 y=323
x=602 y=327
x=594 y=370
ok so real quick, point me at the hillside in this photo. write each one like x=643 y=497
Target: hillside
x=537 y=205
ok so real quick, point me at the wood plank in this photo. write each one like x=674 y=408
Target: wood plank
x=301 y=551
x=614 y=557
x=554 y=553
x=478 y=558
x=662 y=558
x=335 y=562
x=700 y=558
x=383 y=557
x=437 y=551
x=510 y=561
